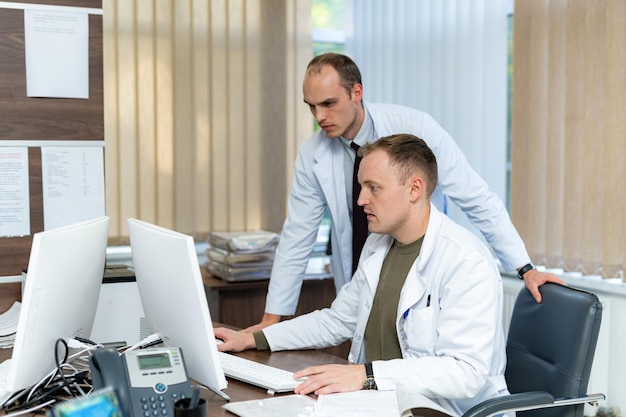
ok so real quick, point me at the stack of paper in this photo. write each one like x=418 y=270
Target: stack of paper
x=244 y=242
x=8 y=325
x=241 y=256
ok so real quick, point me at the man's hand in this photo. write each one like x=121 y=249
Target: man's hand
x=268 y=320
x=327 y=379
x=533 y=279
x=234 y=341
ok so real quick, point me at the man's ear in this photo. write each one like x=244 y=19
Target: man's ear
x=417 y=188
x=357 y=93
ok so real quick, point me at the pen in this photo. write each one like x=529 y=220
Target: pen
x=195 y=398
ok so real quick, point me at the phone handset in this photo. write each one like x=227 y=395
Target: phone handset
x=145 y=380
x=108 y=370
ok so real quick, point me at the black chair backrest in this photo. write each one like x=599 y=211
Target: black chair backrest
x=550 y=346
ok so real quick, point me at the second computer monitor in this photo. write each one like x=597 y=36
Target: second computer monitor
x=173 y=298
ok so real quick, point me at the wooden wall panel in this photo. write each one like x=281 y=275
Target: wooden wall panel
x=97 y=4
x=31 y=118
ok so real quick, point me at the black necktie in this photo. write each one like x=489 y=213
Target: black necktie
x=359 y=219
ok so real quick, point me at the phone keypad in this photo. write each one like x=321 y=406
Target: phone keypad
x=154 y=406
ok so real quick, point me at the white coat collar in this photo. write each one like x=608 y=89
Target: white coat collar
x=379 y=244
x=430 y=238
x=377 y=247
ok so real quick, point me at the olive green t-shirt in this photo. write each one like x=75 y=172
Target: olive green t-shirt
x=381 y=339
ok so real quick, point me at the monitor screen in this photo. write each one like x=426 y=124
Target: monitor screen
x=60 y=296
x=173 y=298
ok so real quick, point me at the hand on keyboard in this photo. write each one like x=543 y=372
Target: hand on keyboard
x=274 y=379
x=233 y=341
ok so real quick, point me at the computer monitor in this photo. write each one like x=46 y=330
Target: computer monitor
x=173 y=298
x=59 y=297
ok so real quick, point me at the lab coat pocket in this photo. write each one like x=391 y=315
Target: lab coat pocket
x=420 y=327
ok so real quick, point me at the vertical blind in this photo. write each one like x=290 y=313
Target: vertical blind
x=568 y=144
x=203 y=111
x=447 y=58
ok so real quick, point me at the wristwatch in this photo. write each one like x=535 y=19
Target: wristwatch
x=524 y=269
x=369 y=382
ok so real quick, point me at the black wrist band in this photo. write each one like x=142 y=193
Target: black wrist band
x=369 y=382
x=524 y=269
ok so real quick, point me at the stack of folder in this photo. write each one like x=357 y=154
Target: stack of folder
x=241 y=256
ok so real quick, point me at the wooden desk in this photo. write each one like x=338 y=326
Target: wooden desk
x=240 y=391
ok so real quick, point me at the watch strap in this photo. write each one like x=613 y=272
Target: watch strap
x=524 y=269
x=369 y=382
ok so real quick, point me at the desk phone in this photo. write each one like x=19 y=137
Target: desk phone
x=146 y=381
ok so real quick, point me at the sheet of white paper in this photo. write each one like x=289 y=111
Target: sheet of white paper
x=280 y=406
x=57 y=54
x=14 y=197
x=73 y=184
x=364 y=403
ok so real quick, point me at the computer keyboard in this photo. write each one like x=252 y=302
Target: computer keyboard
x=265 y=376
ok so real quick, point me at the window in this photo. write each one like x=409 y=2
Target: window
x=328 y=26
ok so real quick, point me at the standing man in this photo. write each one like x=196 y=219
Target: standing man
x=323 y=176
x=424 y=308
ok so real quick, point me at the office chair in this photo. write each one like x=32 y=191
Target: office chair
x=550 y=348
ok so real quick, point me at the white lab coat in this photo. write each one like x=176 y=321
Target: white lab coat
x=453 y=350
x=319 y=183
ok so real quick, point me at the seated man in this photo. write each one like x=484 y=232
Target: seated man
x=424 y=308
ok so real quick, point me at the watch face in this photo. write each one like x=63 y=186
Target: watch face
x=369 y=383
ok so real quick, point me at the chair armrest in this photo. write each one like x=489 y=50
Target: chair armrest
x=510 y=402
x=527 y=401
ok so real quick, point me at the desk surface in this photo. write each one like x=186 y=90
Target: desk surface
x=240 y=391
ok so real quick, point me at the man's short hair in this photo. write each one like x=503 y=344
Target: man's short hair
x=409 y=155
x=349 y=73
